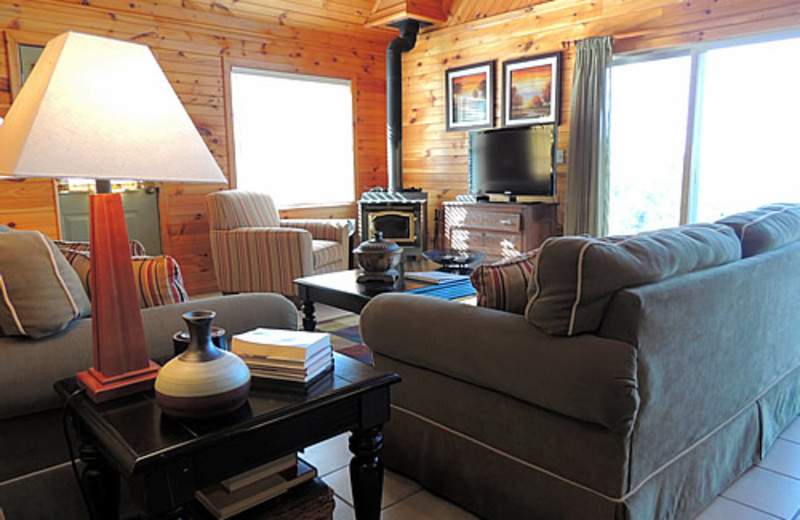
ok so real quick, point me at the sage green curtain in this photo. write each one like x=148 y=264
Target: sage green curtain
x=587 y=157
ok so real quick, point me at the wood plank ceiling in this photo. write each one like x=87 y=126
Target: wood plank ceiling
x=341 y=16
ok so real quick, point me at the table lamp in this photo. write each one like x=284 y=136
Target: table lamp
x=102 y=108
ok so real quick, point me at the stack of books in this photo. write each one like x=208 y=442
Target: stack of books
x=251 y=488
x=285 y=355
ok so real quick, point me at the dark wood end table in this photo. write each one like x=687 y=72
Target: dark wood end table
x=165 y=460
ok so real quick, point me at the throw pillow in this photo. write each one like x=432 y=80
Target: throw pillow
x=576 y=277
x=158 y=278
x=70 y=248
x=504 y=285
x=40 y=294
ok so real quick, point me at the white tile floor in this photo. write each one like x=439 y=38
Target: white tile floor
x=768 y=491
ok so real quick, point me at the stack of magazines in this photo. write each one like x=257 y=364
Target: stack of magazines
x=285 y=355
x=248 y=489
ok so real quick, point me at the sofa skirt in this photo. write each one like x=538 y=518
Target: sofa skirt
x=483 y=477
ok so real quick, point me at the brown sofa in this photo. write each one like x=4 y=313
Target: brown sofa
x=625 y=392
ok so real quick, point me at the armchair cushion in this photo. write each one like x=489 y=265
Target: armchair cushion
x=158 y=278
x=328 y=256
x=40 y=294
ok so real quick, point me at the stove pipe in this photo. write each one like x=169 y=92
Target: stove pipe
x=394 y=100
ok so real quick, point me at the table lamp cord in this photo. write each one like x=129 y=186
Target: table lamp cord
x=65 y=423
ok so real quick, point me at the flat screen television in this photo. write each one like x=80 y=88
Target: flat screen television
x=516 y=163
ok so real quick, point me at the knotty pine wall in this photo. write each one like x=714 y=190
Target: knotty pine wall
x=436 y=160
x=191 y=46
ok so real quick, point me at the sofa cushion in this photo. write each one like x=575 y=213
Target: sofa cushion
x=40 y=294
x=5 y=229
x=575 y=277
x=158 y=278
x=503 y=285
x=70 y=248
x=766 y=228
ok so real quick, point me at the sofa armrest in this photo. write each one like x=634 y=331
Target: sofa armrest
x=585 y=377
x=322 y=229
x=275 y=257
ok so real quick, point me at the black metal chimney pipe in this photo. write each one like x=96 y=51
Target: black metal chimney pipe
x=394 y=100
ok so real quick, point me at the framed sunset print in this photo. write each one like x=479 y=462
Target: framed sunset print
x=470 y=96
x=531 y=90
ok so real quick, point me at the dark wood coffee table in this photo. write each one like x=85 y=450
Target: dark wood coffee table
x=341 y=290
x=164 y=460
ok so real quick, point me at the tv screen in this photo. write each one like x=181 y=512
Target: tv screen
x=513 y=161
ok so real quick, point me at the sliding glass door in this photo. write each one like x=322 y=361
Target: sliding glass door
x=749 y=140
x=703 y=133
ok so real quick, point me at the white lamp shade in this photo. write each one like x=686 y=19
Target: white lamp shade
x=102 y=108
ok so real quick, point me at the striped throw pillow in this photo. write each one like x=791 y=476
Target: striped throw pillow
x=504 y=285
x=70 y=248
x=158 y=278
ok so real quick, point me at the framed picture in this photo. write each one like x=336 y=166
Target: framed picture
x=532 y=90
x=470 y=96
x=23 y=50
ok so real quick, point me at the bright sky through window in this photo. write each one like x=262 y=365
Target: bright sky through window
x=743 y=134
x=293 y=136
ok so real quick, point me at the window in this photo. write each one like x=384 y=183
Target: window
x=649 y=103
x=703 y=134
x=293 y=136
x=748 y=138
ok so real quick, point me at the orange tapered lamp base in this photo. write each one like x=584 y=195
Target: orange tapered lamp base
x=121 y=363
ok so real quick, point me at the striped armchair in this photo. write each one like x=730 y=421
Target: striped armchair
x=253 y=250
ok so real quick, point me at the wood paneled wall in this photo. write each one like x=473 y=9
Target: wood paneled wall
x=30 y=204
x=191 y=43
x=436 y=160
x=190 y=46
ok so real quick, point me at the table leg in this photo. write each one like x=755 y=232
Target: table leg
x=101 y=483
x=309 y=320
x=366 y=473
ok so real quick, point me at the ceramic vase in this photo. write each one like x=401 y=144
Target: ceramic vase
x=203 y=381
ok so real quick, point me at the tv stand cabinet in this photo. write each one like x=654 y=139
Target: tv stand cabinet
x=501 y=230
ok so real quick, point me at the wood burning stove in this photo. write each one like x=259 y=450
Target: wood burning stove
x=400 y=216
x=400 y=213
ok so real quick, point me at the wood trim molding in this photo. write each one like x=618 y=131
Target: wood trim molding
x=14 y=39
x=227 y=64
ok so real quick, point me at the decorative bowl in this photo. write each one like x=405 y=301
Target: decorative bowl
x=453 y=258
x=378 y=258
